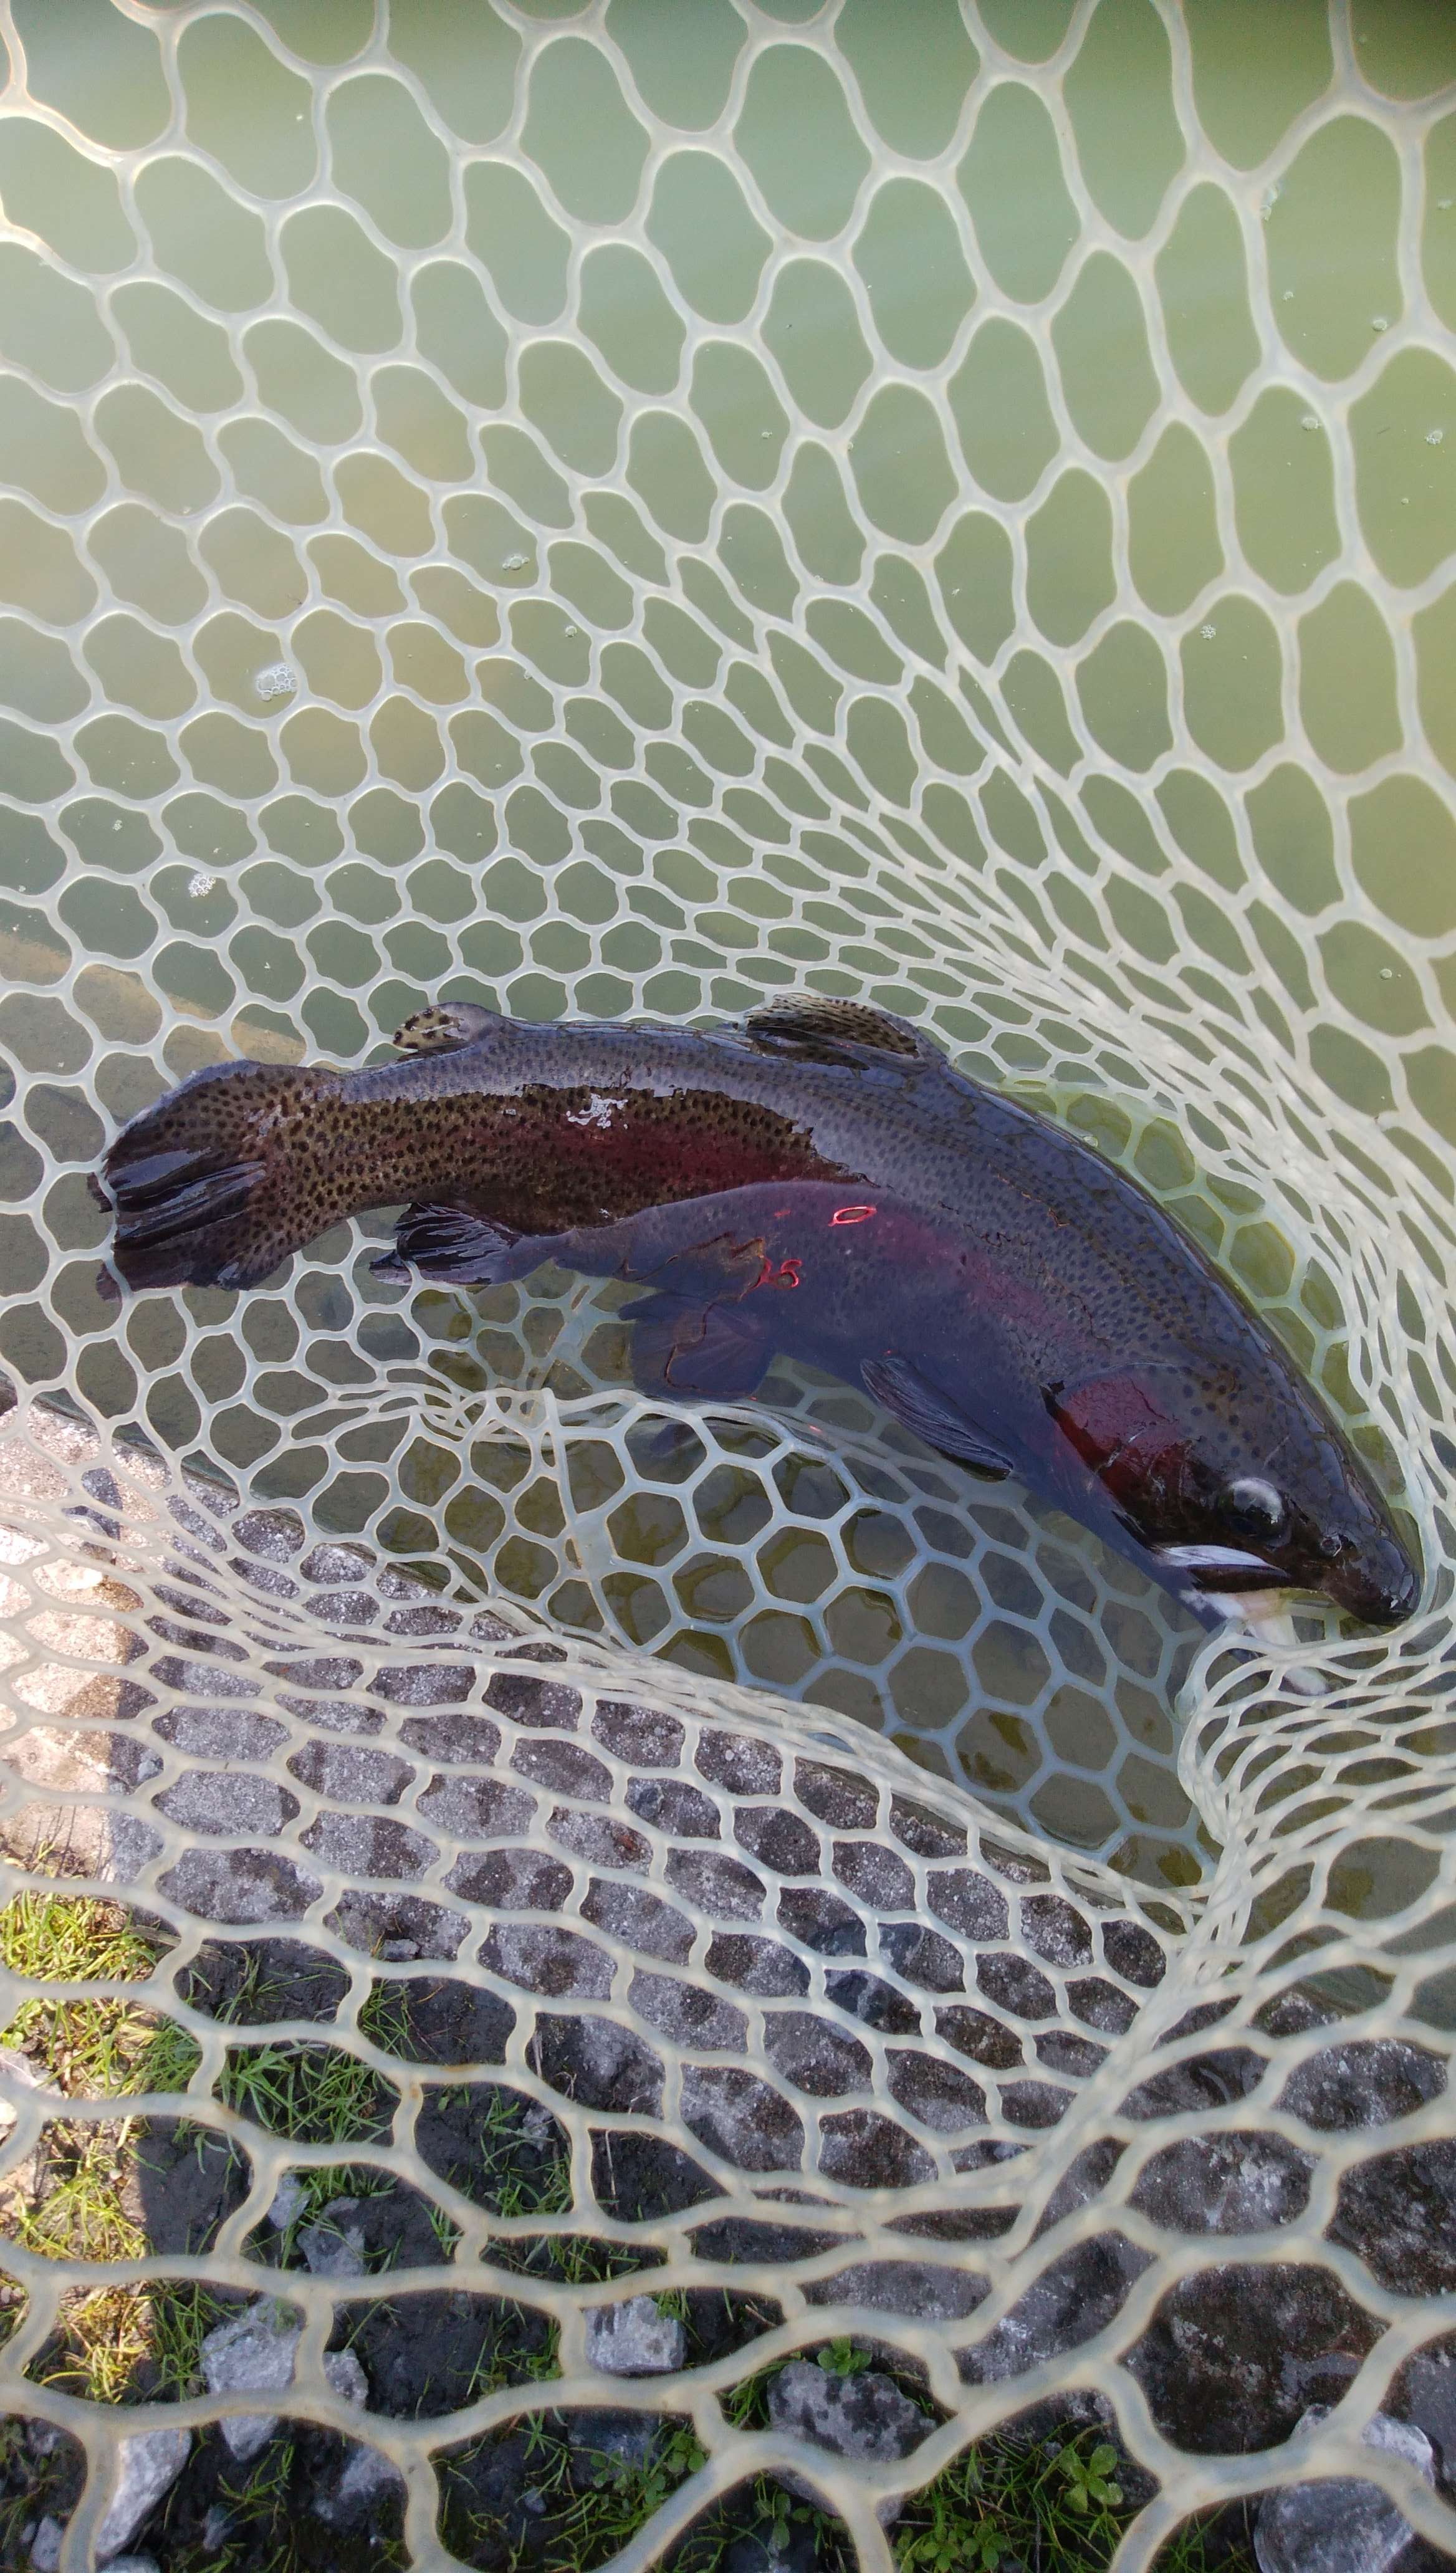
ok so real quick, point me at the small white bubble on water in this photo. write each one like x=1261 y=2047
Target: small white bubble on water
x=573 y=629
x=1434 y=437
x=1380 y=321
x=515 y=562
x=1288 y=295
x=1268 y=200
x=277 y=680
x=1445 y=203
x=199 y=884
x=1309 y=420
x=1207 y=632
x=1387 y=973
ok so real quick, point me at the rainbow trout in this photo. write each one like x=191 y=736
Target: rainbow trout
x=819 y=1184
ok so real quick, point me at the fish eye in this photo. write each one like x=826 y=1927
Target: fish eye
x=1254 y=1508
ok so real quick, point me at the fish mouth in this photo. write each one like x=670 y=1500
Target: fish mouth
x=1382 y=1590
x=1229 y=1584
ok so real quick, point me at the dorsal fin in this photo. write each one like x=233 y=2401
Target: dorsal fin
x=810 y=1024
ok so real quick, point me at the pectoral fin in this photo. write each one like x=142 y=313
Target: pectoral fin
x=695 y=1351
x=933 y=1418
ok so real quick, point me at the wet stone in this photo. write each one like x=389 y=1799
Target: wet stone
x=1369 y=2082
x=1016 y=1984
x=1057 y=1930
x=875 y=1875
x=601 y=1839
x=547 y=1704
x=721 y=1887
x=929 y=2290
x=226 y=1803
x=239 y=1885
x=671 y=1806
x=367 y=1845
x=780 y=1840
x=757 y=1965
x=396 y=1924
x=596 y=2061
x=1063 y=2051
x=633 y=2339
x=737 y=1761
x=741 y=2118
x=822 y=1920
x=865 y=2415
x=1398 y=2212
x=1101 y=2005
x=688 y=2014
x=922 y=1957
x=836 y=1796
x=1337 y=2524
x=514 y=1879
x=1074 y=2298
x=471 y=1739
x=877 y=2004
x=869 y=2150
x=352 y=1774
x=967 y=1902
x=975 y=2032
x=940 y=2094
x=1231 y=2183
x=1203 y=2082
x=636 y=1919
x=925 y=1832
x=564 y=1768
x=555 y=1963
x=1132 y=1951
x=1234 y=2355
x=1034 y=2104
x=475 y=1809
x=815 y=2058
x=638 y=1734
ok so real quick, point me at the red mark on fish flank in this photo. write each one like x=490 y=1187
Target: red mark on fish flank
x=851 y=1215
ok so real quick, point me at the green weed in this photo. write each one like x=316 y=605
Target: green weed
x=103 y=2048
x=1053 y=2505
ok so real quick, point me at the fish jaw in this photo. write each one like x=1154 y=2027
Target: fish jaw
x=1382 y=1590
x=1379 y=1584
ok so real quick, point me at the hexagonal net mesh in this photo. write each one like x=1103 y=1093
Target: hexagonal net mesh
x=638 y=509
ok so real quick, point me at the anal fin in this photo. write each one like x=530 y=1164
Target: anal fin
x=467 y=1249
x=692 y=1350
x=921 y=1407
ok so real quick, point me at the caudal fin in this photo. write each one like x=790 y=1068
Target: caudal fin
x=220 y=1181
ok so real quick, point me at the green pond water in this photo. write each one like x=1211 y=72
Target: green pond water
x=645 y=508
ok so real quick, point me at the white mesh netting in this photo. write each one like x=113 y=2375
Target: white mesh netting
x=636 y=509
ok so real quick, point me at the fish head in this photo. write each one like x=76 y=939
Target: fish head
x=1237 y=1491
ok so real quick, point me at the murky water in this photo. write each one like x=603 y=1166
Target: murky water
x=644 y=510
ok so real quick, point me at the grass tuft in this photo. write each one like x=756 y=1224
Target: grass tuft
x=76 y=2209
